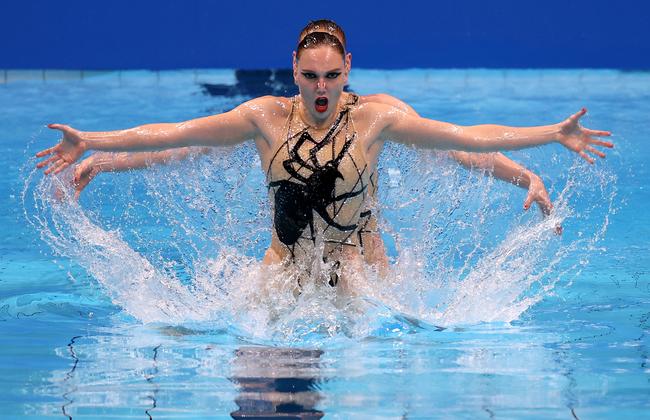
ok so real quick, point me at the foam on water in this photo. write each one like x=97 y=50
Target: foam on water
x=182 y=245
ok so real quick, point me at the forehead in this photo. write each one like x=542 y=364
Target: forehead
x=322 y=57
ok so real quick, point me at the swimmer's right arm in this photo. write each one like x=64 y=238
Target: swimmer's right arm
x=225 y=129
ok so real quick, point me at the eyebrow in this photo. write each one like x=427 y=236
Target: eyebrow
x=337 y=70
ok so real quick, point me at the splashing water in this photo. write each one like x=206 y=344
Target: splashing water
x=182 y=245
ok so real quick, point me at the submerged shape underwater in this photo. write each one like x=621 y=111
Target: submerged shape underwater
x=158 y=283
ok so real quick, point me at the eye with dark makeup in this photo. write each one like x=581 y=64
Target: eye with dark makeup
x=330 y=75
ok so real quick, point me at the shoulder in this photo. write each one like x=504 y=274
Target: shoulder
x=373 y=119
x=376 y=111
x=386 y=99
x=266 y=107
x=377 y=98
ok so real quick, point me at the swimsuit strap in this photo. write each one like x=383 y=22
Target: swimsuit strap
x=293 y=112
x=353 y=100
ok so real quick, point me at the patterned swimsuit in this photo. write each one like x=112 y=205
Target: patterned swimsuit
x=320 y=185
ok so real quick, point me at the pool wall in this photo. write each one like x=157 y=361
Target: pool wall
x=166 y=34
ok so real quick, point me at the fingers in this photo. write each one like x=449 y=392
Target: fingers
x=528 y=201
x=602 y=143
x=47 y=161
x=81 y=177
x=79 y=186
x=600 y=133
x=543 y=202
x=61 y=167
x=586 y=157
x=545 y=206
x=57 y=167
x=76 y=177
x=54 y=166
x=60 y=127
x=595 y=151
x=45 y=152
x=83 y=174
x=575 y=117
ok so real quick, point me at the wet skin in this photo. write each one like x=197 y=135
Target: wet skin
x=320 y=74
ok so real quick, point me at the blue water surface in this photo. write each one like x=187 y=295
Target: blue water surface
x=139 y=301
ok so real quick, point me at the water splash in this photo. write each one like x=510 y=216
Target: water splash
x=181 y=244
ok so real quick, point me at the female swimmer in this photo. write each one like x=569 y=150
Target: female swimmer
x=319 y=151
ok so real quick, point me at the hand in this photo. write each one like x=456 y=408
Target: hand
x=84 y=173
x=68 y=151
x=537 y=193
x=577 y=138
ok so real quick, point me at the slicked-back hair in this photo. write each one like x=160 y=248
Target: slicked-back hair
x=317 y=39
x=323 y=25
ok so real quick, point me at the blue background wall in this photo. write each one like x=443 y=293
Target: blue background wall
x=166 y=34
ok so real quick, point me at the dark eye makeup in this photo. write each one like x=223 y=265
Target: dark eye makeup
x=331 y=75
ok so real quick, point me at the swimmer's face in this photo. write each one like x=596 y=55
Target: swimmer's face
x=320 y=73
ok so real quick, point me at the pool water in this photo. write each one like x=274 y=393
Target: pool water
x=146 y=299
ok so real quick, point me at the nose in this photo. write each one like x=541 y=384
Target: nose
x=321 y=85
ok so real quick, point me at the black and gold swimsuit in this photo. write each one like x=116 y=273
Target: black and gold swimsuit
x=320 y=186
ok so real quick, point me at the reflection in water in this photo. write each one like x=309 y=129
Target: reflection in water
x=277 y=383
x=136 y=372
x=150 y=379
x=152 y=372
x=68 y=376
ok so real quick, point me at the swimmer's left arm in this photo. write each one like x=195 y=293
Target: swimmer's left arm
x=425 y=133
x=496 y=164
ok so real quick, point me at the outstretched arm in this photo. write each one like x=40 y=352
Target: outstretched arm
x=224 y=129
x=427 y=133
x=500 y=167
x=99 y=162
x=497 y=164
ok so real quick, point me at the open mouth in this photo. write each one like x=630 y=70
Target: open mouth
x=321 y=104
